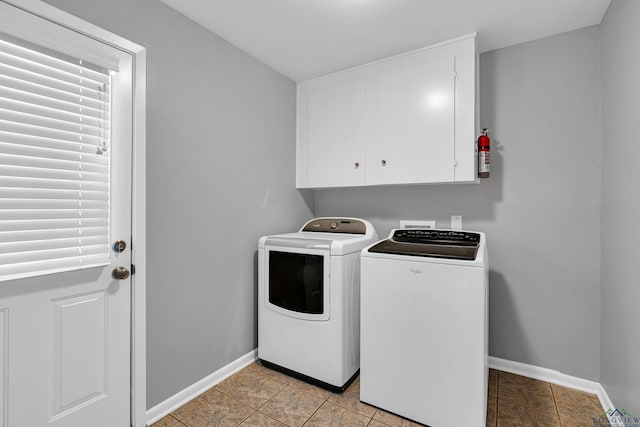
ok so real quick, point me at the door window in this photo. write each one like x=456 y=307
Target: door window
x=296 y=281
x=54 y=161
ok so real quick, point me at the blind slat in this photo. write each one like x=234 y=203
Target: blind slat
x=52 y=204
x=36 y=141
x=49 y=254
x=20 y=171
x=59 y=100
x=30 y=119
x=36 y=245
x=54 y=169
x=52 y=113
x=28 y=235
x=20 y=182
x=50 y=76
x=16 y=214
x=48 y=132
x=41 y=162
x=42 y=59
x=51 y=224
x=37 y=193
x=55 y=154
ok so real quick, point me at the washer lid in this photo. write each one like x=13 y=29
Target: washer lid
x=431 y=243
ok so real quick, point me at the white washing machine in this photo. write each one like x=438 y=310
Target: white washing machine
x=424 y=337
x=309 y=300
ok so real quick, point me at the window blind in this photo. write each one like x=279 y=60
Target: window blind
x=54 y=162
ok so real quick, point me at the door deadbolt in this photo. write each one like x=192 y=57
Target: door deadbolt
x=119 y=246
x=120 y=273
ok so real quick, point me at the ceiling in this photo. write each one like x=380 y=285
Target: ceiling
x=303 y=39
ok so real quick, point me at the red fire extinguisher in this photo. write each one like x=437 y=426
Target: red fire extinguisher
x=484 y=164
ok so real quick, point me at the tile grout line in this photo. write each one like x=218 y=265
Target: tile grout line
x=350 y=409
x=326 y=399
x=294 y=389
x=274 y=419
x=497 y=397
x=555 y=404
x=246 y=418
x=314 y=412
x=248 y=406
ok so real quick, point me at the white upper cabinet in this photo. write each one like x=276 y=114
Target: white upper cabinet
x=410 y=119
x=411 y=138
x=335 y=121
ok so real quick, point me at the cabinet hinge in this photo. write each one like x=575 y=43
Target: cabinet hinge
x=133 y=269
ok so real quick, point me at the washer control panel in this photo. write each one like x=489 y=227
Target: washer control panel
x=435 y=237
x=462 y=245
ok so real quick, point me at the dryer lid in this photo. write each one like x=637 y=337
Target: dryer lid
x=339 y=236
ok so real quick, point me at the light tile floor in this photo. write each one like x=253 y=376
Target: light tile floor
x=260 y=397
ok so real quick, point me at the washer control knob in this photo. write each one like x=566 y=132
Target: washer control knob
x=334 y=225
x=434 y=235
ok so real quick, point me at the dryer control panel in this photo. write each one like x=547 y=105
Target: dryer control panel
x=336 y=225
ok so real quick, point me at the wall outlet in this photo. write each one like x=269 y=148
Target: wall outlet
x=456 y=222
x=430 y=224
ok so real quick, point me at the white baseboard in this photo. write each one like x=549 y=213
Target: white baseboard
x=543 y=374
x=177 y=400
x=554 y=377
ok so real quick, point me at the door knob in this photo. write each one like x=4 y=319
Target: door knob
x=120 y=273
x=119 y=246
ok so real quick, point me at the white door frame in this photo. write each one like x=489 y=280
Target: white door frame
x=138 y=225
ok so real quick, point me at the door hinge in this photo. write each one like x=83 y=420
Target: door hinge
x=133 y=269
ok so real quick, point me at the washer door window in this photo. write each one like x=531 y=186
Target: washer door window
x=298 y=284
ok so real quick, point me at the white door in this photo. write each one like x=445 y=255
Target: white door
x=336 y=134
x=413 y=138
x=64 y=333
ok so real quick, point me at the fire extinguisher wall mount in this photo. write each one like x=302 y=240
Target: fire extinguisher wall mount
x=484 y=163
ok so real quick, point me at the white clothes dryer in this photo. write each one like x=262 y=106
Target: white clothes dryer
x=309 y=300
x=424 y=326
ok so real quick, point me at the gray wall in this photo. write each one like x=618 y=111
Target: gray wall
x=620 y=62
x=220 y=120
x=540 y=208
x=220 y=173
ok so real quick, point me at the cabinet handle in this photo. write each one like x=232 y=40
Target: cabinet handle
x=384 y=162
x=357 y=164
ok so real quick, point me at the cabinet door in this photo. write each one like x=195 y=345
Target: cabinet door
x=335 y=134
x=413 y=120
